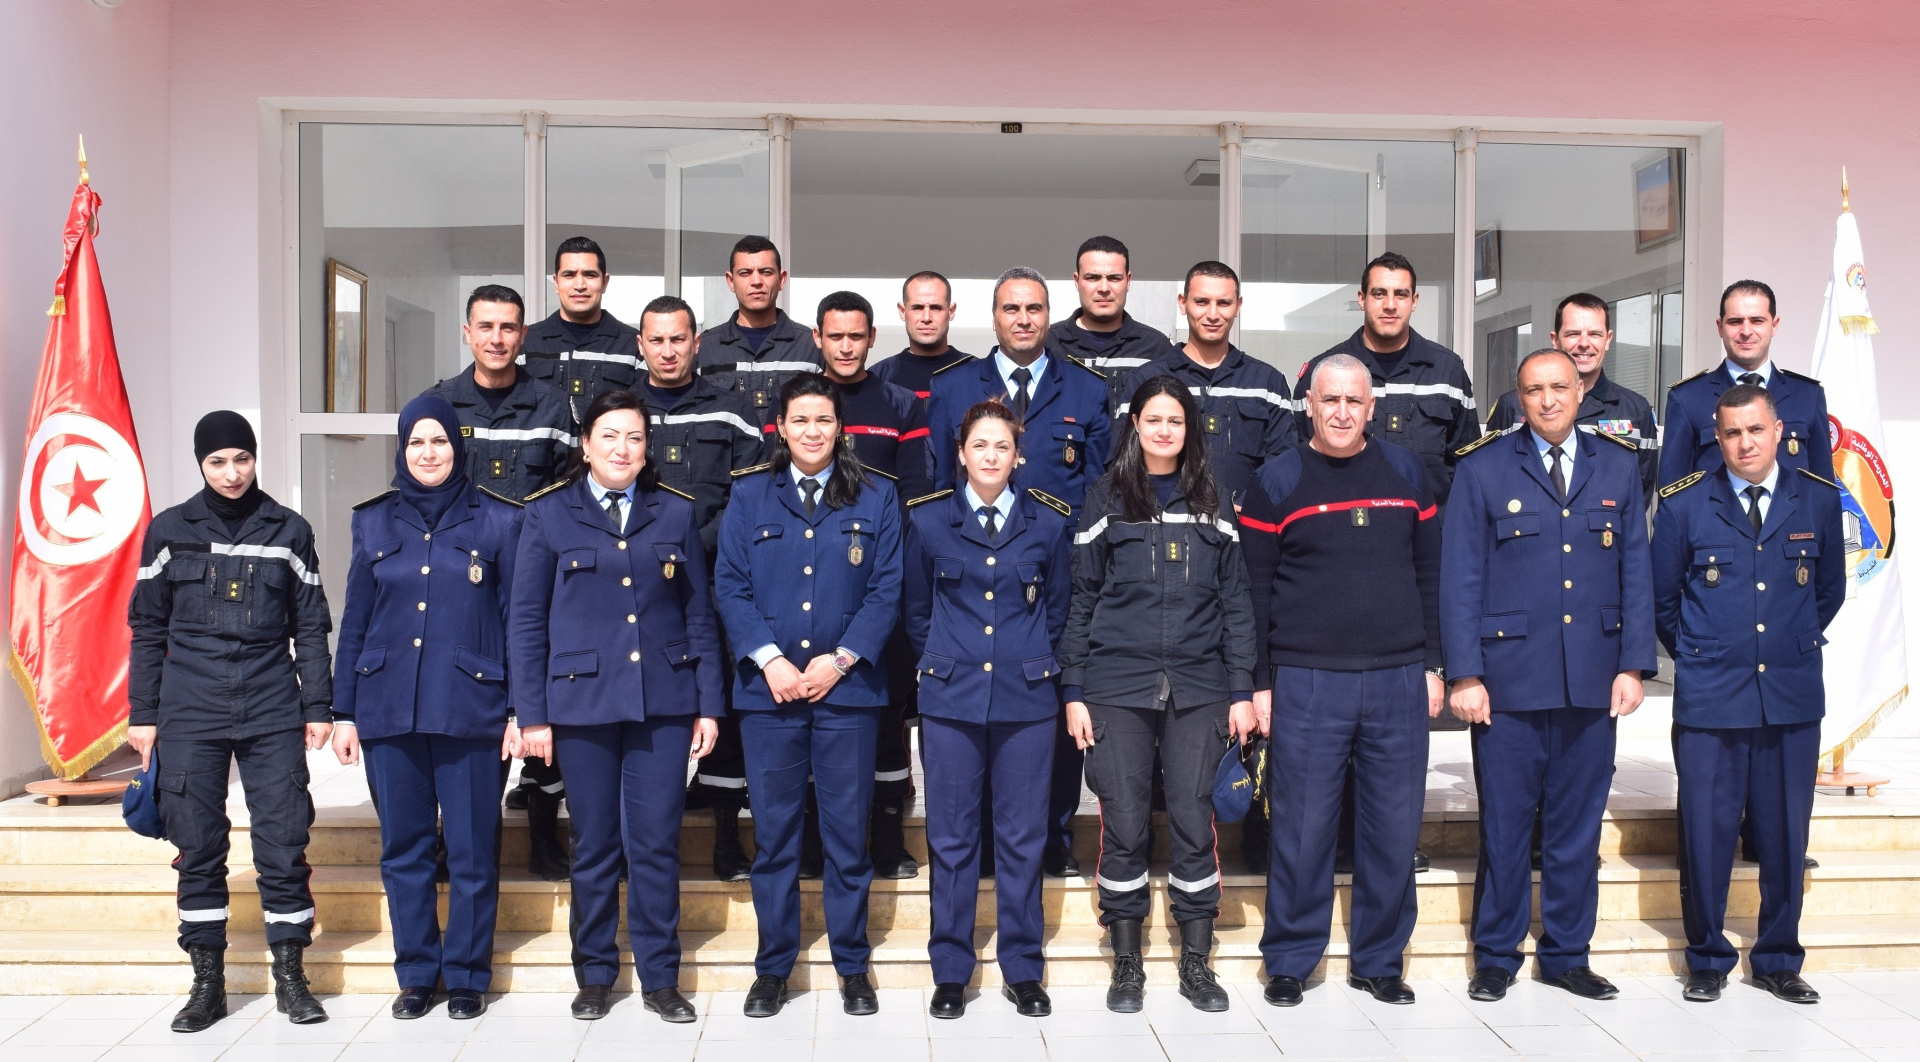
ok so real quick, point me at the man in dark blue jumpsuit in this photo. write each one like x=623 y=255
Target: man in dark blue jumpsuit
x=582 y=350
x=1101 y=334
x=758 y=347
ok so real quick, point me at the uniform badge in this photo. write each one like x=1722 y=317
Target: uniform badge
x=673 y=455
x=1173 y=551
x=1800 y=573
x=1513 y=506
x=1395 y=422
x=1360 y=517
x=759 y=400
x=474 y=571
x=1033 y=593
x=576 y=385
x=499 y=468
x=1213 y=424
x=1793 y=446
x=666 y=570
x=1606 y=540
x=1713 y=575
x=1616 y=427
x=855 y=554
x=237 y=589
x=1068 y=453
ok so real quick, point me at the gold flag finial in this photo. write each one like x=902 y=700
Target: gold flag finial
x=1843 y=191
x=83 y=160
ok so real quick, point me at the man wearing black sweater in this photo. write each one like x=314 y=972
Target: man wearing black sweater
x=1342 y=544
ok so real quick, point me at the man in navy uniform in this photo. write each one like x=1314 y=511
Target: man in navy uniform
x=1064 y=407
x=582 y=349
x=1749 y=568
x=1748 y=320
x=1582 y=329
x=1547 y=622
x=926 y=308
x=1101 y=334
x=758 y=347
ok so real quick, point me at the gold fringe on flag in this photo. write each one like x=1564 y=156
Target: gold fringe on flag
x=88 y=757
x=1860 y=733
x=1859 y=325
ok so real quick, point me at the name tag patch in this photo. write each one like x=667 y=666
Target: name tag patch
x=1801 y=536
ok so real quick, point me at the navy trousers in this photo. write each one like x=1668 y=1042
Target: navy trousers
x=835 y=746
x=1767 y=772
x=421 y=779
x=1556 y=766
x=626 y=794
x=1326 y=723
x=193 y=806
x=893 y=756
x=958 y=757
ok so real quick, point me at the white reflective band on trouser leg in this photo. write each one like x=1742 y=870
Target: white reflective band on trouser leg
x=211 y=914
x=1121 y=886
x=893 y=776
x=557 y=787
x=294 y=918
x=720 y=782
x=1194 y=886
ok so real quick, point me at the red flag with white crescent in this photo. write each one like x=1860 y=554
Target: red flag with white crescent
x=83 y=511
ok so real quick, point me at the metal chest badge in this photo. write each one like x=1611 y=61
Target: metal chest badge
x=1793 y=446
x=1606 y=540
x=855 y=554
x=1800 y=573
x=474 y=572
x=1713 y=575
x=1513 y=506
x=1068 y=453
x=666 y=568
x=1033 y=593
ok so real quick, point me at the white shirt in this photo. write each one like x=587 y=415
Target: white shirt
x=1003 y=504
x=626 y=500
x=1568 y=446
x=1005 y=366
x=1766 y=486
x=770 y=652
x=1765 y=370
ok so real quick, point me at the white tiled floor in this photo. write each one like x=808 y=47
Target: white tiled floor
x=1872 y=1017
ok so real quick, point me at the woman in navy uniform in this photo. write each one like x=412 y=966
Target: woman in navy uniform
x=616 y=673
x=986 y=588
x=808 y=581
x=420 y=689
x=1160 y=627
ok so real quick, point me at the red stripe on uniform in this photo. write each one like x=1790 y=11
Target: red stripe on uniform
x=923 y=394
x=1357 y=503
x=867 y=429
x=1259 y=525
x=915 y=434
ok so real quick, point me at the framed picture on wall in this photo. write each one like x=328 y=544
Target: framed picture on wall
x=1486 y=264
x=346 y=339
x=1656 y=200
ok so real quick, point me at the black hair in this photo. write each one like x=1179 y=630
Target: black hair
x=1744 y=394
x=1748 y=287
x=1103 y=245
x=1211 y=269
x=1126 y=477
x=844 y=302
x=1543 y=352
x=1586 y=300
x=579 y=245
x=848 y=475
x=604 y=403
x=1390 y=260
x=751 y=245
x=670 y=304
x=926 y=274
x=496 y=293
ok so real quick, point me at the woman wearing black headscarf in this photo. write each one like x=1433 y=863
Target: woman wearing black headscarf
x=421 y=690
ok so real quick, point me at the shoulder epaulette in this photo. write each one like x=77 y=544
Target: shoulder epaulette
x=1050 y=501
x=1085 y=366
x=676 y=490
x=1481 y=441
x=738 y=472
x=548 y=489
x=1696 y=375
x=382 y=496
x=924 y=498
x=1681 y=484
x=1797 y=375
x=502 y=498
x=1820 y=478
x=1612 y=438
x=963 y=361
x=877 y=472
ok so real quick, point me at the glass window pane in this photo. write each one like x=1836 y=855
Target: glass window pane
x=655 y=198
x=426 y=214
x=337 y=472
x=1313 y=213
x=1567 y=219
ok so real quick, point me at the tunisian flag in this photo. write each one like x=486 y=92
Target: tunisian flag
x=83 y=512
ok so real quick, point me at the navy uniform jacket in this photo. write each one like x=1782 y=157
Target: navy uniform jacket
x=610 y=627
x=887 y=427
x=1690 y=445
x=790 y=580
x=1608 y=408
x=1742 y=627
x=698 y=443
x=1133 y=346
x=915 y=373
x=1065 y=446
x=983 y=616
x=521 y=446
x=1426 y=405
x=212 y=615
x=757 y=375
x=609 y=359
x=1244 y=409
x=442 y=669
x=1546 y=600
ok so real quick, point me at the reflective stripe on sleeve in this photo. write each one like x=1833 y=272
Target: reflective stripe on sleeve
x=159 y=564
x=1090 y=533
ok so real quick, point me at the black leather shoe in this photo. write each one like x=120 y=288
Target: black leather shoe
x=1284 y=991
x=1788 y=985
x=857 y=996
x=465 y=1004
x=1421 y=864
x=730 y=862
x=1384 y=989
x=1028 y=998
x=592 y=1002
x=670 y=1005
x=1060 y=863
x=412 y=1003
x=1811 y=864
x=1489 y=984
x=949 y=1000
x=1703 y=986
x=767 y=996
x=1582 y=981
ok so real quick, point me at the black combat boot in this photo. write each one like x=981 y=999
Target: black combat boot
x=887 y=841
x=546 y=853
x=730 y=862
x=1128 y=992
x=207 y=999
x=291 y=995
x=1197 y=981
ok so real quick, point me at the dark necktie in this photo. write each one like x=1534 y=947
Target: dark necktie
x=1024 y=377
x=1754 y=494
x=992 y=516
x=810 y=489
x=1751 y=379
x=613 y=510
x=1559 y=478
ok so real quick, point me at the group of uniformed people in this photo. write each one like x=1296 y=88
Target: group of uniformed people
x=1090 y=553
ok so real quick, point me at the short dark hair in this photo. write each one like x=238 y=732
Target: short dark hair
x=843 y=302
x=1543 y=352
x=604 y=403
x=1586 y=300
x=1103 y=245
x=926 y=274
x=579 y=245
x=496 y=293
x=1748 y=287
x=1390 y=260
x=1741 y=395
x=753 y=245
x=671 y=304
x=1211 y=269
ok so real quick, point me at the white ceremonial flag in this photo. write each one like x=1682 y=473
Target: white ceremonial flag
x=1866 y=658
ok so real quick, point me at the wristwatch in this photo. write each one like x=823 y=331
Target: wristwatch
x=844 y=659
x=1438 y=672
